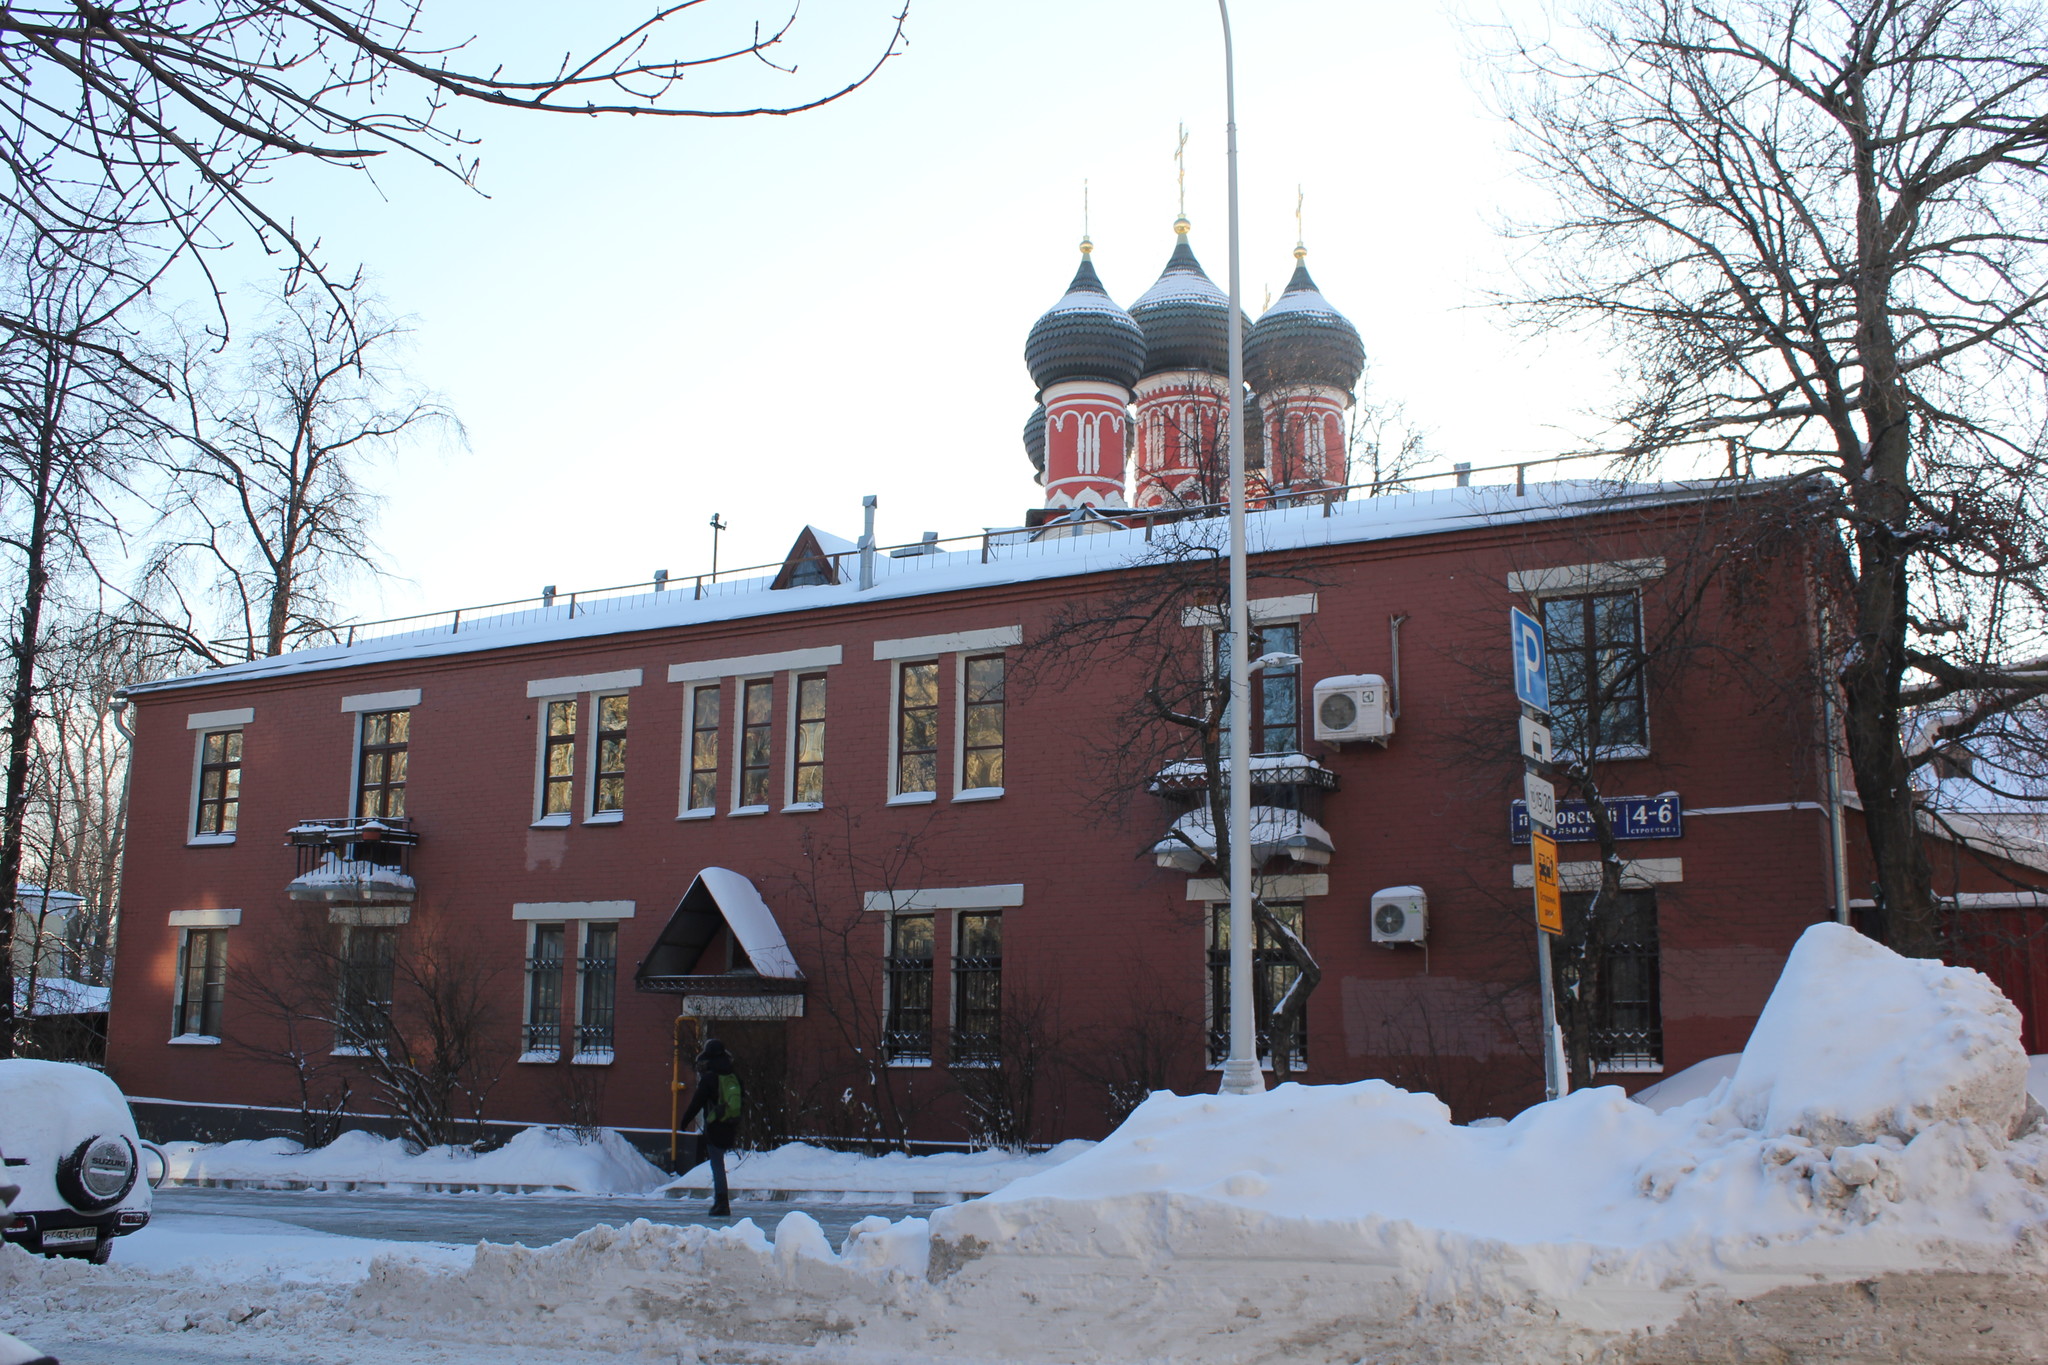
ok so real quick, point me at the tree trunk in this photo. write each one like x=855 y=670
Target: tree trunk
x=21 y=716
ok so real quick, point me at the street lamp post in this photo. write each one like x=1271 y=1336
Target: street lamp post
x=1241 y=1075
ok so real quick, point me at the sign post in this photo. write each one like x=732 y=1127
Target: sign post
x=1532 y=689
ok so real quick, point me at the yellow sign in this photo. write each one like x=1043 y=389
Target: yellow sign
x=1549 y=903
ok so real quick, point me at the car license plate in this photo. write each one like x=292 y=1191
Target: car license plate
x=57 y=1237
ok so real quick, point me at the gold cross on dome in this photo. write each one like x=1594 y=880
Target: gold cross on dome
x=1299 y=250
x=1180 y=168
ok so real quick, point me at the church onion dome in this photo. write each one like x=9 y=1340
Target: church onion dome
x=1085 y=336
x=1185 y=317
x=1034 y=438
x=1301 y=339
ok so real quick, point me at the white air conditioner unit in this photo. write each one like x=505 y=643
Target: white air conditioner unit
x=1400 y=914
x=1353 y=707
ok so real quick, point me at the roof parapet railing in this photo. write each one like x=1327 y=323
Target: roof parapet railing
x=925 y=549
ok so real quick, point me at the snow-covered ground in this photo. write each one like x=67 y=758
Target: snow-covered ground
x=1870 y=1181
x=535 y=1159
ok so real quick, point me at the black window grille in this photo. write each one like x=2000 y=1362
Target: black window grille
x=220 y=782
x=978 y=990
x=908 y=1027
x=597 y=971
x=1273 y=971
x=1628 y=1019
x=202 y=981
x=1593 y=646
x=544 y=990
x=369 y=957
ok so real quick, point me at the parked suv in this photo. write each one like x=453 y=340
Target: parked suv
x=69 y=1142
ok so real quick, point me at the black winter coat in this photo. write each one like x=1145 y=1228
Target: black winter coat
x=718 y=1132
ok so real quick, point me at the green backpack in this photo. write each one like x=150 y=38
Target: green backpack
x=725 y=1108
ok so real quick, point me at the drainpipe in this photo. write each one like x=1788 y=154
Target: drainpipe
x=1394 y=643
x=867 y=543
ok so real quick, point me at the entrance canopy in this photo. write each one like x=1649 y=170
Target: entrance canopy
x=721 y=899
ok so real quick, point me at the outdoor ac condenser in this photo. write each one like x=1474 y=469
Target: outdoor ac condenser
x=1353 y=707
x=1400 y=914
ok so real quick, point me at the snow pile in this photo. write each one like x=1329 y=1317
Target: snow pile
x=536 y=1158
x=808 y=1171
x=1858 y=1043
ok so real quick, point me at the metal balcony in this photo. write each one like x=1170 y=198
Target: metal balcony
x=352 y=861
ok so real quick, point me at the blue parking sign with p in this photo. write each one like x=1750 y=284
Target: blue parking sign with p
x=1532 y=684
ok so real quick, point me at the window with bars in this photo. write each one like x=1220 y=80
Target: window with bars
x=757 y=731
x=1594 y=650
x=220 y=782
x=543 y=1035
x=907 y=1035
x=202 y=982
x=609 y=791
x=807 y=776
x=978 y=990
x=1628 y=1016
x=362 y=1002
x=597 y=972
x=1276 y=688
x=558 y=760
x=704 y=723
x=381 y=764
x=982 y=724
x=917 y=728
x=1273 y=971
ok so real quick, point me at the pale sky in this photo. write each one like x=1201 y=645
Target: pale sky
x=650 y=321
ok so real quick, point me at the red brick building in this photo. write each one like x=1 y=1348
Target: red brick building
x=870 y=819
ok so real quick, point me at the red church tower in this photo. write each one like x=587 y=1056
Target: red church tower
x=1304 y=358
x=1183 y=393
x=1084 y=354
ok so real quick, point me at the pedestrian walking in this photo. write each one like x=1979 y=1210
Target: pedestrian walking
x=719 y=1097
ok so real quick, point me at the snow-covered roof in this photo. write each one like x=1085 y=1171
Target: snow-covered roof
x=60 y=995
x=1274 y=831
x=1010 y=557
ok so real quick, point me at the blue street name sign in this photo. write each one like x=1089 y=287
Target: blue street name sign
x=1532 y=684
x=1633 y=817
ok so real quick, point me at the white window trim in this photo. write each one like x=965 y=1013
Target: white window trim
x=739 y=741
x=1214 y=904
x=1578 y=580
x=686 y=811
x=404 y=699
x=560 y=819
x=619 y=680
x=352 y=803
x=917 y=647
x=205 y=919
x=1580 y=587
x=577 y=910
x=895 y=746
x=193 y=839
x=999 y=896
x=888 y=923
x=1262 y=610
x=1583 y=874
x=1294 y=887
x=593 y=701
x=221 y=720
x=579 y=939
x=791 y=680
x=754 y=665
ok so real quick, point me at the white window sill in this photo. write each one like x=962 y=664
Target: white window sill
x=975 y=1066
x=698 y=813
x=605 y=817
x=195 y=1040
x=979 y=794
x=748 y=810
x=912 y=1063
x=802 y=807
x=1628 y=1069
x=559 y=820
x=540 y=1055
x=594 y=1057
x=209 y=840
x=347 y=1051
x=913 y=798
